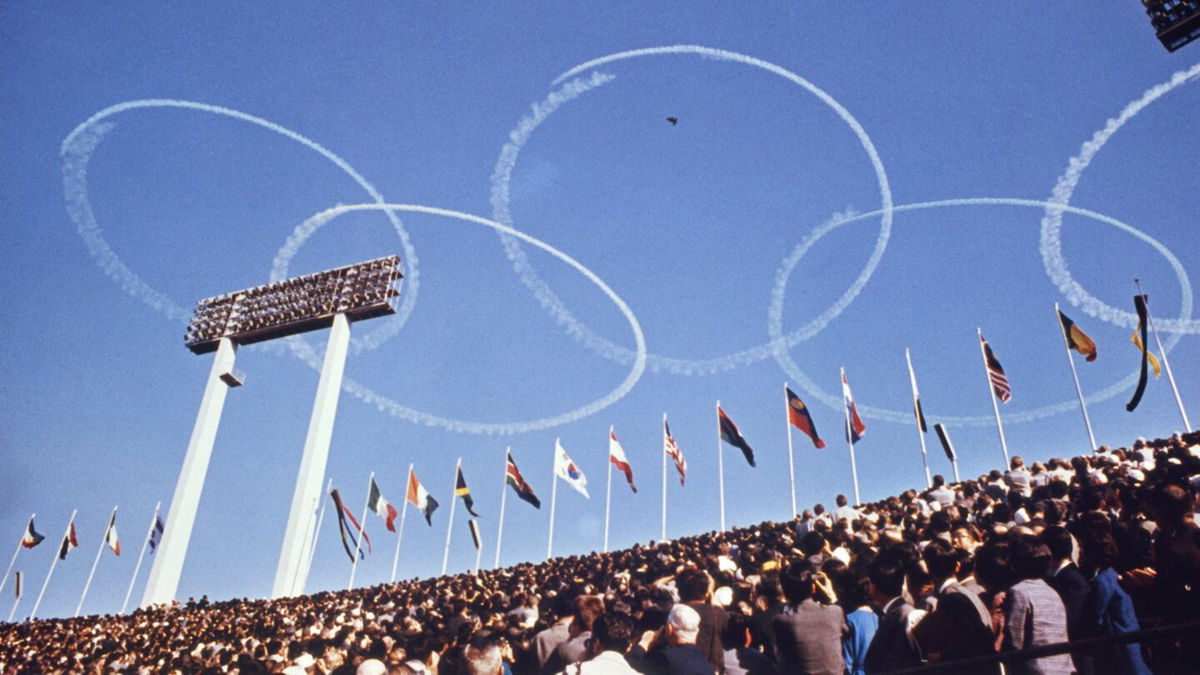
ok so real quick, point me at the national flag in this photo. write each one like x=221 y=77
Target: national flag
x=474 y=527
x=1154 y=365
x=854 y=424
x=731 y=435
x=671 y=448
x=156 y=534
x=944 y=437
x=801 y=418
x=381 y=507
x=19 y=585
x=419 y=497
x=616 y=457
x=348 y=538
x=513 y=477
x=32 y=537
x=995 y=373
x=1077 y=339
x=110 y=535
x=461 y=490
x=565 y=469
x=69 y=542
x=1139 y=303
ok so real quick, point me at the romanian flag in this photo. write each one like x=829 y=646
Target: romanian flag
x=1077 y=339
x=419 y=497
x=854 y=424
x=381 y=507
x=343 y=514
x=69 y=542
x=461 y=490
x=32 y=537
x=513 y=477
x=731 y=435
x=616 y=457
x=800 y=418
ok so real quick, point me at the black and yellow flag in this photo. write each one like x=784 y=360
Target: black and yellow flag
x=461 y=490
x=1139 y=303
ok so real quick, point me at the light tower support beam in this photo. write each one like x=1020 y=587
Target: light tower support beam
x=168 y=560
x=292 y=572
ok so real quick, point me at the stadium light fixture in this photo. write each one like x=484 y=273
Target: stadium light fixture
x=330 y=299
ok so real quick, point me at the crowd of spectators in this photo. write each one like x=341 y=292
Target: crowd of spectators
x=1093 y=546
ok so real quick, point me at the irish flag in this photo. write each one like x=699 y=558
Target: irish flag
x=419 y=497
x=381 y=507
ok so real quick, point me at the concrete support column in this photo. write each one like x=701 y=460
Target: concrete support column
x=177 y=533
x=292 y=572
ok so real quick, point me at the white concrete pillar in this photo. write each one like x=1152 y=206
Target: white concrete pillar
x=172 y=550
x=292 y=572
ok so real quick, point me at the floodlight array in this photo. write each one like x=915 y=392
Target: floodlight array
x=1176 y=22
x=283 y=308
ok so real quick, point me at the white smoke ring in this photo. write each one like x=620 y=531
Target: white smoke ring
x=306 y=353
x=77 y=149
x=834 y=401
x=1051 y=236
x=500 y=195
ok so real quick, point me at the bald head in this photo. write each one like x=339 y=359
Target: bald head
x=684 y=624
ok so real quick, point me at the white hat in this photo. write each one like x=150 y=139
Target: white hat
x=305 y=660
x=371 y=667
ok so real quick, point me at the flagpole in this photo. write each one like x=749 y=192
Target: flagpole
x=362 y=530
x=95 y=562
x=912 y=379
x=450 y=522
x=608 y=492
x=12 y=562
x=553 y=502
x=787 y=425
x=141 y=554
x=992 y=393
x=1075 y=375
x=400 y=534
x=37 y=603
x=850 y=439
x=721 y=466
x=663 y=535
x=312 y=546
x=1187 y=426
x=503 y=499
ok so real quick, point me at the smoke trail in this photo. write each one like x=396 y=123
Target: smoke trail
x=77 y=149
x=1051 y=239
x=500 y=196
x=307 y=354
x=782 y=343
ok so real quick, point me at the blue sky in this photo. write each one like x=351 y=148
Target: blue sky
x=816 y=110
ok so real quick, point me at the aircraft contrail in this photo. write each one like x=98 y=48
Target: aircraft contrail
x=77 y=149
x=549 y=300
x=305 y=352
x=834 y=401
x=1051 y=240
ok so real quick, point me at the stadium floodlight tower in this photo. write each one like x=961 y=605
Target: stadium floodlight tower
x=329 y=299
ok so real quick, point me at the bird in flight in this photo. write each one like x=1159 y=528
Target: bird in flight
x=673 y=120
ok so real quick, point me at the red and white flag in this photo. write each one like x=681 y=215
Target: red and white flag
x=616 y=457
x=672 y=449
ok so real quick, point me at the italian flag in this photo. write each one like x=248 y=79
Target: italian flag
x=381 y=507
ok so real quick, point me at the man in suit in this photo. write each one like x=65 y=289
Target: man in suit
x=808 y=635
x=1072 y=587
x=695 y=590
x=892 y=647
x=960 y=625
x=1033 y=613
x=672 y=650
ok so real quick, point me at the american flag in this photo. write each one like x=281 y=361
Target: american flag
x=672 y=449
x=995 y=373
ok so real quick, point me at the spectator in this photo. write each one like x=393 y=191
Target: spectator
x=808 y=636
x=1033 y=613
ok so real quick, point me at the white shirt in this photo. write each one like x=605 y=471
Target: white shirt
x=604 y=663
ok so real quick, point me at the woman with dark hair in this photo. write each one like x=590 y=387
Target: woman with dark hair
x=854 y=595
x=1109 y=611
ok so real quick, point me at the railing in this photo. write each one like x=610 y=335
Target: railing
x=1050 y=650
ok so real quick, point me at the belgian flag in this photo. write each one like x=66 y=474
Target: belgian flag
x=1077 y=339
